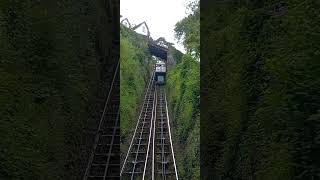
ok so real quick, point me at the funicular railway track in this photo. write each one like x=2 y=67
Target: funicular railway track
x=150 y=155
x=104 y=163
x=135 y=163
x=164 y=164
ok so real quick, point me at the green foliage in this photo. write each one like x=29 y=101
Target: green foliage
x=134 y=76
x=263 y=89
x=183 y=88
x=188 y=30
x=49 y=74
x=137 y=40
x=177 y=55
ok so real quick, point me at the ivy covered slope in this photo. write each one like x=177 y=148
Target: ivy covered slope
x=49 y=76
x=183 y=87
x=136 y=63
x=262 y=96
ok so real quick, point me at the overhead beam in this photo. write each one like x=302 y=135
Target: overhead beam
x=158 y=51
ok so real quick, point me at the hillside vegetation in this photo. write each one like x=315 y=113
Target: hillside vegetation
x=261 y=98
x=50 y=72
x=136 y=68
x=136 y=63
x=183 y=87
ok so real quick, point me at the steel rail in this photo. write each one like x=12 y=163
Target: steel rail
x=111 y=146
x=148 y=100
x=166 y=166
x=140 y=137
x=168 y=121
x=163 y=167
x=145 y=97
x=152 y=141
x=162 y=137
x=89 y=165
x=150 y=134
x=154 y=135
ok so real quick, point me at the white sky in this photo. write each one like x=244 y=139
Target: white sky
x=160 y=15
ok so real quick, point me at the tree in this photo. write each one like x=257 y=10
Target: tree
x=188 y=29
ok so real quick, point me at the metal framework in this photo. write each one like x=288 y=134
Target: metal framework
x=104 y=161
x=157 y=47
x=150 y=154
x=158 y=51
x=165 y=165
x=143 y=23
x=125 y=21
x=135 y=163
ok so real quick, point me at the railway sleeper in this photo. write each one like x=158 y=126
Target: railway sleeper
x=109 y=130
x=97 y=170
x=142 y=140
x=108 y=122
x=165 y=162
x=161 y=152
x=163 y=148
x=166 y=173
x=165 y=133
x=106 y=139
x=143 y=130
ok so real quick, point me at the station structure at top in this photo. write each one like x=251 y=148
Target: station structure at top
x=158 y=48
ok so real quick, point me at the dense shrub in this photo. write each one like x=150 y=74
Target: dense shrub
x=50 y=72
x=183 y=87
x=262 y=93
x=135 y=62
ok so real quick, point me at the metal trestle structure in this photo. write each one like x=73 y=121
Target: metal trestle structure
x=150 y=155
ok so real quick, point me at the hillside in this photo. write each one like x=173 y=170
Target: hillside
x=52 y=74
x=136 y=67
x=261 y=98
x=183 y=97
x=183 y=87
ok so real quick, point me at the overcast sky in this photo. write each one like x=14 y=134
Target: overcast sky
x=160 y=15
